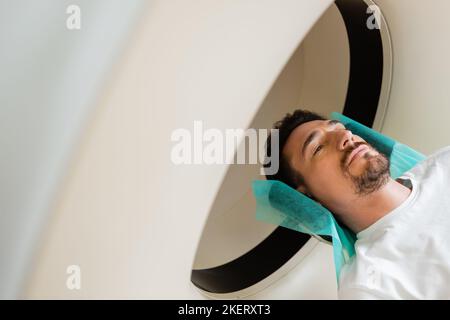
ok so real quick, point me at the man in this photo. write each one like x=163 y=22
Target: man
x=402 y=226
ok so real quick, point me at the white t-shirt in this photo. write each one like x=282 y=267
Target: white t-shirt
x=406 y=253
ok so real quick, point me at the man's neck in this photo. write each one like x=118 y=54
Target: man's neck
x=365 y=211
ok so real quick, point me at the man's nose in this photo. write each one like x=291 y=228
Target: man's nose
x=345 y=140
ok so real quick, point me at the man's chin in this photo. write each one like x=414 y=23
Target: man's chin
x=374 y=175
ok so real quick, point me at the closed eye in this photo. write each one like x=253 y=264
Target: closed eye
x=314 y=134
x=332 y=122
x=317 y=149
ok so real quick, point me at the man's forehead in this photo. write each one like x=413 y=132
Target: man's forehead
x=304 y=129
x=299 y=134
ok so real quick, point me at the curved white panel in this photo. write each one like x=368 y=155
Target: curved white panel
x=419 y=106
x=128 y=216
x=49 y=78
x=315 y=78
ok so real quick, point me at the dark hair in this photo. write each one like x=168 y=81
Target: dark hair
x=286 y=173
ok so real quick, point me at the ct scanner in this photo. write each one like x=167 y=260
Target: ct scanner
x=87 y=116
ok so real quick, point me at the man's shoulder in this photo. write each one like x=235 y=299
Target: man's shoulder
x=442 y=152
x=435 y=159
x=360 y=280
x=359 y=293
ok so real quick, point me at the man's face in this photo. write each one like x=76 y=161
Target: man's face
x=336 y=165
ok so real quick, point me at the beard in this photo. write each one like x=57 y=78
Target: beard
x=375 y=174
